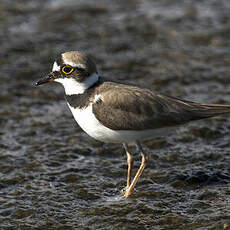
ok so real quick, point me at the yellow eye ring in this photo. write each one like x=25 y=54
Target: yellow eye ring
x=67 y=69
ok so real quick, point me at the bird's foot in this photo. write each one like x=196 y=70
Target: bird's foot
x=125 y=192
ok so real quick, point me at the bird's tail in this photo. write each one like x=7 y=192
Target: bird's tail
x=184 y=111
x=209 y=110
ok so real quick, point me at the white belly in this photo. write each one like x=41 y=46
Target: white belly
x=88 y=122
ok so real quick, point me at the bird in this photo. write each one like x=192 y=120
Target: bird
x=114 y=112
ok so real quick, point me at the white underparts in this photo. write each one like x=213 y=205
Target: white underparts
x=89 y=123
x=73 y=87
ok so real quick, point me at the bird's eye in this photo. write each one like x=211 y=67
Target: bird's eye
x=67 y=69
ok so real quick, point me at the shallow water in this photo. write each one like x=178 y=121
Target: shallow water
x=53 y=176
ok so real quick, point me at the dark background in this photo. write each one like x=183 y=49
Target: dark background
x=53 y=176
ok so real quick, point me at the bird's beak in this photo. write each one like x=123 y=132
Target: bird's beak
x=49 y=78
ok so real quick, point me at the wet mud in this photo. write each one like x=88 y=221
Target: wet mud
x=53 y=176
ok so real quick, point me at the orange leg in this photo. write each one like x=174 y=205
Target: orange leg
x=139 y=172
x=130 y=165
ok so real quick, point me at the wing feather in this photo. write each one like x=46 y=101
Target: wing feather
x=124 y=107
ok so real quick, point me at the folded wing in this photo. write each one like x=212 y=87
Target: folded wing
x=132 y=108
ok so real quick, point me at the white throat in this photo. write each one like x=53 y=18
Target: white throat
x=73 y=87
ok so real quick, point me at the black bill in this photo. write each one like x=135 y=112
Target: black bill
x=49 y=78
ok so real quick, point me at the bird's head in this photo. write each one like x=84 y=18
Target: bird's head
x=74 y=70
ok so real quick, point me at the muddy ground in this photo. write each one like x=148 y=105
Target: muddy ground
x=53 y=176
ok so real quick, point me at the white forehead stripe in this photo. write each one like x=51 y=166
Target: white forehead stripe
x=56 y=67
x=73 y=87
x=75 y=65
x=68 y=62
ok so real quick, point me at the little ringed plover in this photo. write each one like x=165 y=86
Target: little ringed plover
x=120 y=113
